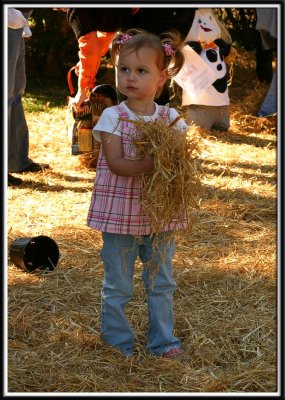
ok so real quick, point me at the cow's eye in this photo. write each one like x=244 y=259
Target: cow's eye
x=212 y=55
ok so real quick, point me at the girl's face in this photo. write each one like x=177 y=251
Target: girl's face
x=138 y=74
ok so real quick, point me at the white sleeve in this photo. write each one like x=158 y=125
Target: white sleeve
x=180 y=124
x=108 y=122
x=16 y=20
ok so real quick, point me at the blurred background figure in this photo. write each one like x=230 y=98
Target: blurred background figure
x=18 y=133
x=266 y=24
x=95 y=28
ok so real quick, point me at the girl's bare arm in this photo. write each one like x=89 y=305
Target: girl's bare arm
x=112 y=148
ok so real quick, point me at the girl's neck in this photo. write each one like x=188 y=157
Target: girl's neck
x=141 y=108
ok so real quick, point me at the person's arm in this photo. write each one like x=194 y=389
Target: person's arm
x=16 y=20
x=92 y=47
x=112 y=148
x=176 y=120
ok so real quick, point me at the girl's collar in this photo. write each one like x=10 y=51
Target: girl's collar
x=138 y=114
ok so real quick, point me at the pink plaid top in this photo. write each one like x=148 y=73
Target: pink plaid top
x=115 y=203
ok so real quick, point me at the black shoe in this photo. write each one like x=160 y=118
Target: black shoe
x=35 y=167
x=13 y=181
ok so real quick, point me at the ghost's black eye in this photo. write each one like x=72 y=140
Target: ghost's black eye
x=211 y=55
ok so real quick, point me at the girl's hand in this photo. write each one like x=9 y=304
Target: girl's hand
x=148 y=163
x=118 y=164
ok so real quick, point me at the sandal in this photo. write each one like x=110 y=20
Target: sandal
x=175 y=352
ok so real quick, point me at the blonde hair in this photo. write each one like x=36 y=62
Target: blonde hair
x=168 y=47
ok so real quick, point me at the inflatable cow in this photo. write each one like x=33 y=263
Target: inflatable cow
x=212 y=42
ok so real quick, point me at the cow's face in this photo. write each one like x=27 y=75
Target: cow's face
x=214 y=60
x=205 y=28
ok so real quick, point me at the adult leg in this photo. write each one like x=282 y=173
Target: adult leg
x=18 y=134
x=263 y=61
x=105 y=39
x=269 y=104
x=118 y=255
x=160 y=289
x=92 y=47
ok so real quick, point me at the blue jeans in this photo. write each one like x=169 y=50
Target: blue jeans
x=269 y=104
x=18 y=133
x=119 y=254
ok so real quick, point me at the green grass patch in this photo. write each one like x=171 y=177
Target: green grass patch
x=43 y=95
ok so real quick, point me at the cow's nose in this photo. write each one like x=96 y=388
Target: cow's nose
x=219 y=67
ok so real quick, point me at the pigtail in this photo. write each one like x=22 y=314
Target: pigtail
x=115 y=49
x=119 y=41
x=172 y=44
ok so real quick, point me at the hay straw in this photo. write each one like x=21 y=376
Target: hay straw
x=171 y=191
x=225 y=272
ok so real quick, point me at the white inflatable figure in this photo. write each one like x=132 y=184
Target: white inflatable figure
x=209 y=38
x=205 y=28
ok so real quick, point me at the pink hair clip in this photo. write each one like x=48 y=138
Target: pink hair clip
x=123 y=38
x=168 y=49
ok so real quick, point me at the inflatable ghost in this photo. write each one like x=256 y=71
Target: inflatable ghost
x=211 y=40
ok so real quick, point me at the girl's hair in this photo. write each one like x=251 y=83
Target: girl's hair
x=168 y=47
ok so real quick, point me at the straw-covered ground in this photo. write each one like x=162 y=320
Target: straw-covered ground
x=225 y=302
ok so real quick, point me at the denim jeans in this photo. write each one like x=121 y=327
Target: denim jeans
x=18 y=133
x=269 y=104
x=119 y=254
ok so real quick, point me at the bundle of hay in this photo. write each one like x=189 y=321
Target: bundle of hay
x=171 y=190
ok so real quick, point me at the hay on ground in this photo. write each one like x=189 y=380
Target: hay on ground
x=225 y=271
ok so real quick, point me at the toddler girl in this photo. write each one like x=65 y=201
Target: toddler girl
x=144 y=62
